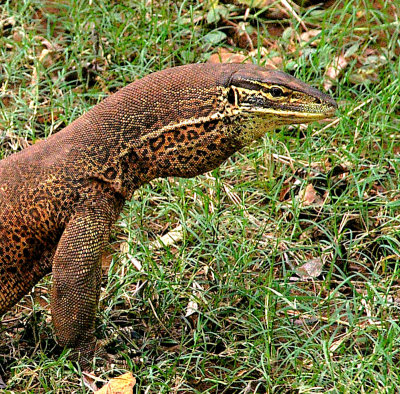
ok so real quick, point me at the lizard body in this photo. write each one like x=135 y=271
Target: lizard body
x=60 y=197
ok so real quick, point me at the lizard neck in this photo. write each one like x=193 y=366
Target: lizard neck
x=166 y=124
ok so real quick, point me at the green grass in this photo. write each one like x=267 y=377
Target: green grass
x=260 y=326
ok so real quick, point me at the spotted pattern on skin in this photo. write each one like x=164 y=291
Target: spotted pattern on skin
x=60 y=197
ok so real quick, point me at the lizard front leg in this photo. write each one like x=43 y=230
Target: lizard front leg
x=77 y=277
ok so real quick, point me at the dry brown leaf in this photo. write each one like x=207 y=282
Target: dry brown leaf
x=90 y=381
x=309 y=196
x=334 y=69
x=308 y=35
x=283 y=193
x=225 y=56
x=17 y=36
x=120 y=385
x=274 y=62
x=106 y=259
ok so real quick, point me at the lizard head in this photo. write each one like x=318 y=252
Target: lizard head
x=260 y=100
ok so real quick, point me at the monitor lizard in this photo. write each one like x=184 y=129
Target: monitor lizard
x=60 y=197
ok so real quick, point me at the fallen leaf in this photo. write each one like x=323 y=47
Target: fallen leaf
x=334 y=69
x=352 y=50
x=90 y=381
x=124 y=248
x=274 y=62
x=106 y=259
x=267 y=57
x=311 y=269
x=168 y=239
x=309 y=196
x=368 y=72
x=283 y=193
x=225 y=56
x=193 y=306
x=308 y=35
x=214 y=37
x=120 y=385
x=216 y=12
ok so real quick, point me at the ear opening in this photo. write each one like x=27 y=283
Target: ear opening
x=232 y=96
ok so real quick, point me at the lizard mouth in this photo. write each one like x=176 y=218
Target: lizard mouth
x=293 y=116
x=294 y=112
x=311 y=116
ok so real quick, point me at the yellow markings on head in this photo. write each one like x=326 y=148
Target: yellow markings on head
x=273 y=91
x=259 y=110
x=280 y=101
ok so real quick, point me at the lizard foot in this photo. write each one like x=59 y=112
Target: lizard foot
x=95 y=354
x=120 y=360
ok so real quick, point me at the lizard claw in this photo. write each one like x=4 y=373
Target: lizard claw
x=111 y=360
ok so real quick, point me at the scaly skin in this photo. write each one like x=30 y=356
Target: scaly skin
x=60 y=197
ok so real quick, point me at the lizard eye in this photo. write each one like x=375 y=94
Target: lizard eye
x=276 y=92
